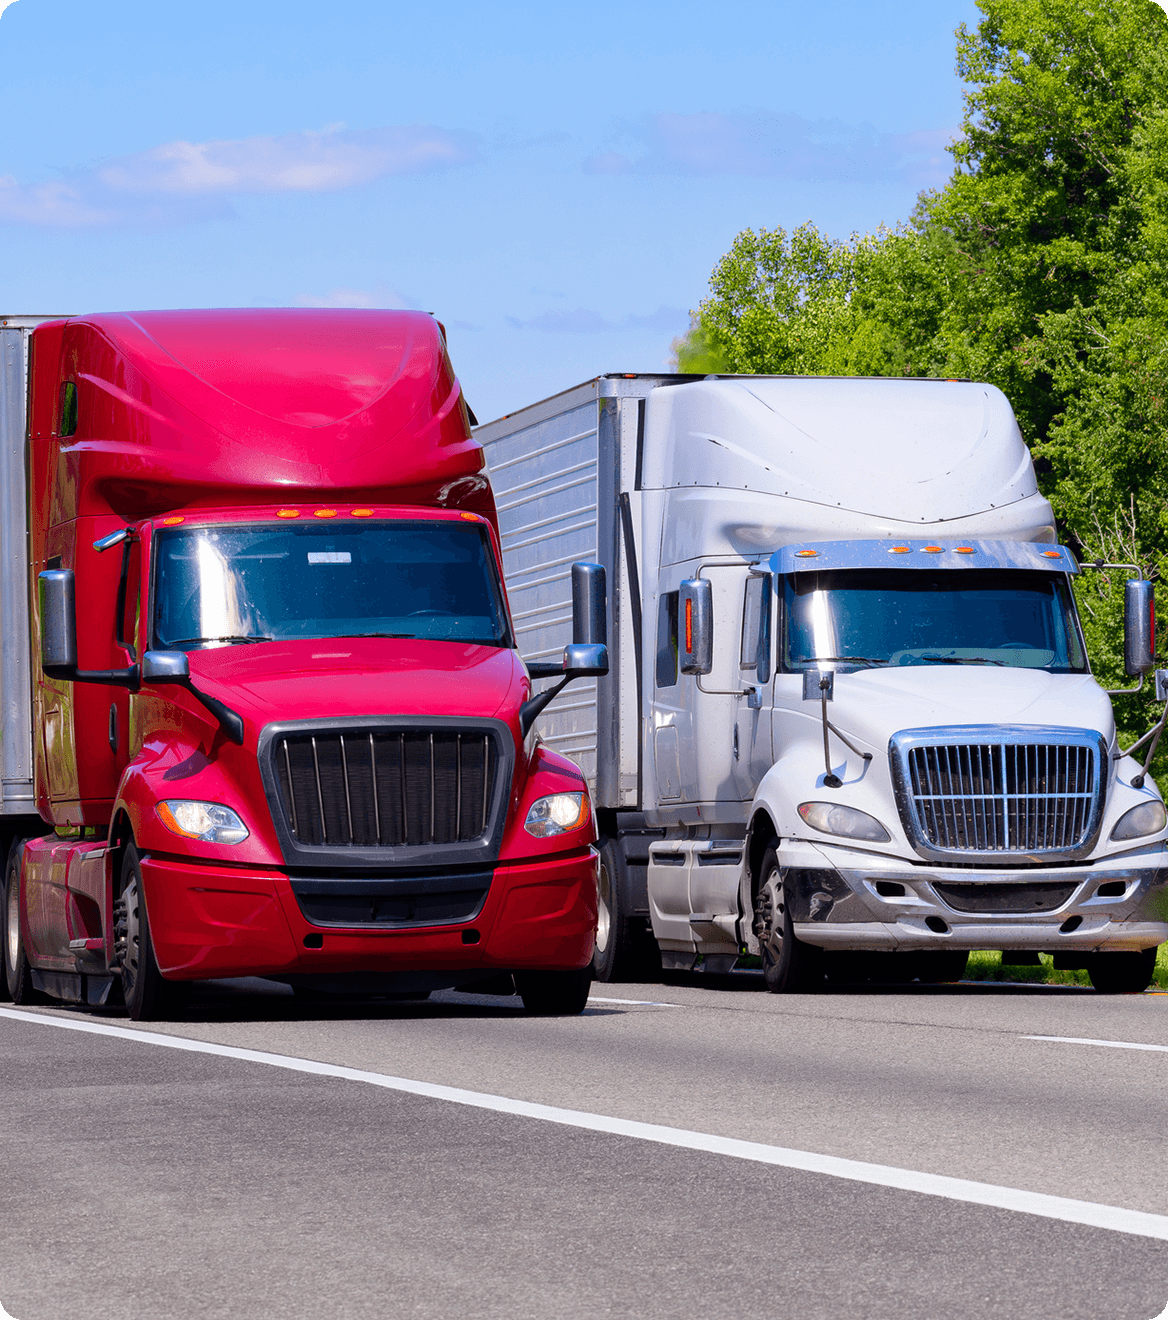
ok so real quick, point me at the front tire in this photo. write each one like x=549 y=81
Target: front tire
x=149 y=996
x=1122 y=973
x=554 y=994
x=788 y=965
x=622 y=952
x=17 y=972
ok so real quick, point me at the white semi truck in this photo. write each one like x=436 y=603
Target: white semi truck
x=850 y=725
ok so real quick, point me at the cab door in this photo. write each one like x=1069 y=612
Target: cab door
x=751 y=750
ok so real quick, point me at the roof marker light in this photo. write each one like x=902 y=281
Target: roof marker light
x=362 y=513
x=806 y=554
x=900 y=550
x=1052 y=554
x=965 y=550
x=287 y=513
x=173 y=521
x=932 y=549
x=324 y=513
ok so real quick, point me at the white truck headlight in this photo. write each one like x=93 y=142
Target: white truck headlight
x=556 y=814
x=848 y=822
x=1148 y=818
x=209 y=822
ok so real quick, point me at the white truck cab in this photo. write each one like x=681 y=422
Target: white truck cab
x=851 y=713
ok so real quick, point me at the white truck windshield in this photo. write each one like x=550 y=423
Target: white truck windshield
x=876 y=617
x=238 y=583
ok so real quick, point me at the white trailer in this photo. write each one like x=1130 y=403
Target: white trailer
x=815 y=743
x=16 y=772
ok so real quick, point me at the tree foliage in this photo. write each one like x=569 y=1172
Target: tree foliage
x=1041 y=266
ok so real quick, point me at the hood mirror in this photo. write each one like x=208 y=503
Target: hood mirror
x=166 y=667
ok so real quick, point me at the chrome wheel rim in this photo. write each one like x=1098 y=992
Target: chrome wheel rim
x=12 y=908
x=769 y=909
x=132 y=933
x=603 y=908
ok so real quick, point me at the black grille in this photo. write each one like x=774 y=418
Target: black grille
x=386 y=788
x=973 y=897
x=396 y=901
x=1003 y=797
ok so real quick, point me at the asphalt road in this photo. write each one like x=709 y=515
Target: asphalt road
x=146 y=1181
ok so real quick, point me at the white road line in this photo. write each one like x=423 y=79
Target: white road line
x=1107 y=1044
x=1114 y=1218
x=643 y=1003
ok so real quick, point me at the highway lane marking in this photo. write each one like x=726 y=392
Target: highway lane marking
x=643 y=1003
x=1107 y=1044
x=1116 y=1219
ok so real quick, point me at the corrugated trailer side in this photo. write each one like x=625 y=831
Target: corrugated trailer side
x=565 y=473
x=16 y=768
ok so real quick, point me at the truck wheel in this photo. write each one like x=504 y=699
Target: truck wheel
x=17 y=973
x=149 y=996
x=623 y=951
x=933 y=967
x=1121 y=973
x=788 y=965
x=554 y=994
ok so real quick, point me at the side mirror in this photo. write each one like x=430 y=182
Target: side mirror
x=1139 y=626
x=589 y=605
x=695 y=626
x=166 y=667
x=58 y=615
x=586 y=660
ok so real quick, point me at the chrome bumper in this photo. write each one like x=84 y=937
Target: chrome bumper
x=846 y=899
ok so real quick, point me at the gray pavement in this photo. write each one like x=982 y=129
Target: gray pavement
x=144 y=1182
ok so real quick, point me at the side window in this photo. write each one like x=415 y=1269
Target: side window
x=755 y=652
x=67 y=423
x=667 y=640
x=129 y=596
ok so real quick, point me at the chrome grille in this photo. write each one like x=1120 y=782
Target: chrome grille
x=386 y=788
x=1002 y=795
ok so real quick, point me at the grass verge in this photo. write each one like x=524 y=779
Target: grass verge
x=987 y=965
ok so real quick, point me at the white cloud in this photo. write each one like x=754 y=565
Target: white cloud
x=4 y=4
x=180 y=181
x=583 y=321
x=762 y=143
x=381 y=296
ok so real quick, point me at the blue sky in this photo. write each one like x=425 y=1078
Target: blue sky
x=554 y=182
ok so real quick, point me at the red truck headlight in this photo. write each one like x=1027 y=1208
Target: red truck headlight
x=556 y=814
x=209 y=822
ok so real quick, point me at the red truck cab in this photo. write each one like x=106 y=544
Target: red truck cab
x=281 y=727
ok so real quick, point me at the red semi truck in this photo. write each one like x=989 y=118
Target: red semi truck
x=279 y=724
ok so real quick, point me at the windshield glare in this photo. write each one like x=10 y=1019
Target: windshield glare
x=871 y=617
x=233 y=584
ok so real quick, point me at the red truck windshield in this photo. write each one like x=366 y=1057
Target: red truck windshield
x=246 y=583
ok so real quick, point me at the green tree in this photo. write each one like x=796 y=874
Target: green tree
x=1041 y=266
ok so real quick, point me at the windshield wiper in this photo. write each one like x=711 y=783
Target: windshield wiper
x=380 y=634
x=192 y=641
x=961 y=660
x=855 y=659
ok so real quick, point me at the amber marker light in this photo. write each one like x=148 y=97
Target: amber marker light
x=470 y=517
x=174 y=521
x=325 y=513
x=933 y=549
x=287 y=513
x=900 y=550
x=1051 y=554
x=362 y=513
x=964 y=550
x=806 y=554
